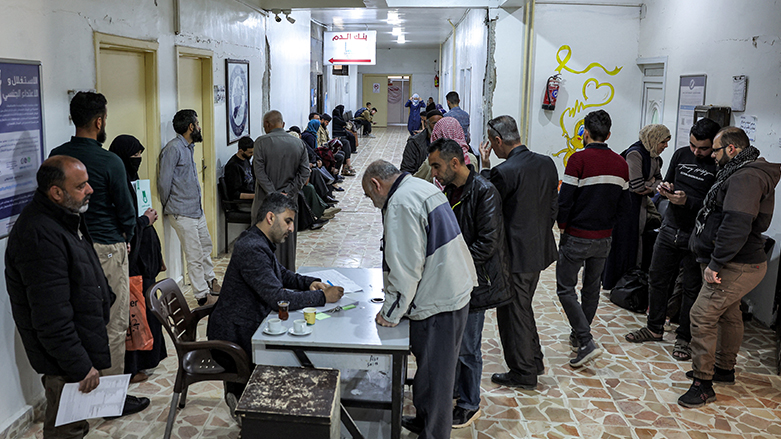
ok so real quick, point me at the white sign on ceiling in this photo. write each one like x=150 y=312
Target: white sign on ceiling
x=350 y=48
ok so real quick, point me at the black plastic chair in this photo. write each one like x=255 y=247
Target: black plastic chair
x=231 y=209
x=195 y=357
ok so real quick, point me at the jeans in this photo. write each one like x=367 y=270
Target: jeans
x=717 y=323
x=575 y=253
x=435 y=343
x=671 y=251
x=470 y=362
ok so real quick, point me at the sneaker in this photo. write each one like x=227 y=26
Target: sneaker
x=232 y=402
x=700 y=393
x=133 y=404
x=215 y=287
x=719 y=375
x=463 y=417
x=330 y=213
x=585 y=354
x=412 y=423
x=207 y=300
x=574 y=343
x=372 y=136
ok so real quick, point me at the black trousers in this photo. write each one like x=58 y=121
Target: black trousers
x=671 y=253
x=367 y=126
x=517 y=328
x=436 y=342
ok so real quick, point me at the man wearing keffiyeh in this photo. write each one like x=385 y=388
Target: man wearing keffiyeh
x=728 y=243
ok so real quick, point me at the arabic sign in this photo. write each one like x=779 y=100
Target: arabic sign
x=350 y=48
x=21 y=137
x=691 y=92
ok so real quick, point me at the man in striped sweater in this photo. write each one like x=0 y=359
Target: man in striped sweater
x=594 y=192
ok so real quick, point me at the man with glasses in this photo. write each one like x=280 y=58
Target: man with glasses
x=690 y=175
x=728 y=242
x=528 y=184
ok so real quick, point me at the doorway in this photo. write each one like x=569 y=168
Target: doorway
x=654 y=74
x=127 y=75
x=375 y=90
x=194 y=91
x=398 y=95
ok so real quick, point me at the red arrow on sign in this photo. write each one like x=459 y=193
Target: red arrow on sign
x=348 y=60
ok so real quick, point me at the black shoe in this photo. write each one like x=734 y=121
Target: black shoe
x=540 y=366
x=339 y=189
x=208 y=299
x=318 y=224
x=585 y=354
x=331 y=200
x=700 y=393
x=412 y=423
x=719 y=375
x=506 y=379
x=133 y=404
x=463 y=417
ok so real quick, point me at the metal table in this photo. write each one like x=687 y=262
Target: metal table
x=349 y=339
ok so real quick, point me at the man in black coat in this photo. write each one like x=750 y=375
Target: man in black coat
x=528 y=183
x=255 y=281
x=478 y=209
x=60 y=298
x=416 y=150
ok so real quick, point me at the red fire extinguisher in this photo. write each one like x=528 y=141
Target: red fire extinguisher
x=551 y=93
x=436 y=81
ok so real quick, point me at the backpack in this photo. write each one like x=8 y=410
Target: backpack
x=631 y=291
x=358 y=112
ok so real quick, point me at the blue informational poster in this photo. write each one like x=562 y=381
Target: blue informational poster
x=21 y=137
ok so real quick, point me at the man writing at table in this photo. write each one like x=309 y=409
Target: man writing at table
x=255 y=281
x=428 y=275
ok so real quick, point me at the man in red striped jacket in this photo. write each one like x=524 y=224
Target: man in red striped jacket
x=594 y=192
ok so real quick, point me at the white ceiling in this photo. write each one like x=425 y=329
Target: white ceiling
x=421 y=27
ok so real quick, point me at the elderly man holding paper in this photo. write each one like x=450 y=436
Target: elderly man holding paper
x=255 y=281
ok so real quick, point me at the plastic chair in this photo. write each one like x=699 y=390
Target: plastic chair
x=195 y=357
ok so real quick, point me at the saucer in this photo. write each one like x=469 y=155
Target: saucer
x=281 y=331
x=307 y=331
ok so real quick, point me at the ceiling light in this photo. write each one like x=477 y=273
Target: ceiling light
x=396 y=31
x=338 y=23
x=401 y=39
x=393 y=18
x=290 y=19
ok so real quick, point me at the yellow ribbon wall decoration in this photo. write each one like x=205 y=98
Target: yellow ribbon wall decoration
x=601 y=93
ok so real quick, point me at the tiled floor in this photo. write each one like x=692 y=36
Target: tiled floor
x=629 y=392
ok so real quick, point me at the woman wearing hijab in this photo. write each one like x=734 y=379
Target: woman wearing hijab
x=645 y=174
x=145 y=260
x=350 y=145
x=415 y=105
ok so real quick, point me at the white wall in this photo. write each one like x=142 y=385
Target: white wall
x=290 y=67
x=471 y=53
x=606 y=35
x=508 y=59
x=60 y=35
x=421 y=63
x=727 y=39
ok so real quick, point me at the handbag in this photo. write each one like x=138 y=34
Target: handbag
x=139 y=336
x=631 y=291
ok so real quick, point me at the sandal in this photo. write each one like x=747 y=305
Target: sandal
x=642 y=336
x=682 y=351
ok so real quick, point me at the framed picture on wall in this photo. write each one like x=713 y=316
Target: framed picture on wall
x=237 y=99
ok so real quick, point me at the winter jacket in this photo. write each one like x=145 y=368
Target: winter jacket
x=744 y=209
x=415 y=153
x=479 y=214
x=427 y=268
x=60 y=298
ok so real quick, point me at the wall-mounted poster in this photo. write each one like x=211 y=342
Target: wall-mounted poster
x=691 y=92
x=237 y=91
x=21 y=137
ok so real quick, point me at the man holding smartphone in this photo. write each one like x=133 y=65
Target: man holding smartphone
x=691 y=174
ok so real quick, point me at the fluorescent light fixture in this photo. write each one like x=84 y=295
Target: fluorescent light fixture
x=393 y=18
x=338 y=22
x=396 y=31
x=401 y=39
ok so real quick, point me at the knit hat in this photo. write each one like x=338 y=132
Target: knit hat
x=652 y=135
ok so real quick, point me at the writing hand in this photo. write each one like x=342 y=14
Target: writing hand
x=90 y=382
x=318 y=286
x=712 y=277
x=333 y=294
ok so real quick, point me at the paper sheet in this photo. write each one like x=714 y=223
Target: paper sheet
x=107 y=399
x=336 y=278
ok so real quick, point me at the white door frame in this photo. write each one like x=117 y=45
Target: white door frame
x=655 y=62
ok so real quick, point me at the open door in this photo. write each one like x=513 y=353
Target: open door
x=375 y=90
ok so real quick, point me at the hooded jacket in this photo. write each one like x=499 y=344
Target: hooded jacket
x=744 y=209
x=60 y=298
x=427 y=268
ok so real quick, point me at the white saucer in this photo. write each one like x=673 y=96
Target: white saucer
x=267 y=331
x=307 y=331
